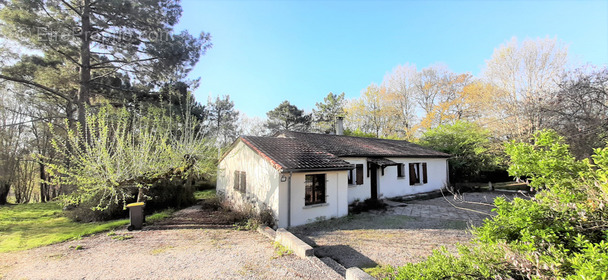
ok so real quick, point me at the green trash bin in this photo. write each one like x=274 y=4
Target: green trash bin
x=136 y=215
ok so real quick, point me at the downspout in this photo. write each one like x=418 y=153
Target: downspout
x=289 y=200
x=447 y=173
x=338 y=194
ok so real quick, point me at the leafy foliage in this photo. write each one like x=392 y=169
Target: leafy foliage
x=288 y=117
x=358 y=133
x=328 y=111
x=547 y=160
x=222 y=119
x=373 y=112
x=86 y=49
x=468 y=144
x=561 y=233
x=129 y=153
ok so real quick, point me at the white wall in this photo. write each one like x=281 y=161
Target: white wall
x=360 y=192
x=390 y=185
x=264 y=186
x=336 y=199
x=262 y=179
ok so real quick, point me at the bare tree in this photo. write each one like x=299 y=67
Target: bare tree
x=429 y=86
x=526 y=72
x=13 y=122
x=579 y=109
x=253 y=126
x=402 y=85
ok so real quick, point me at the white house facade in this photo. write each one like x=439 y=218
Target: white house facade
x=305 y=177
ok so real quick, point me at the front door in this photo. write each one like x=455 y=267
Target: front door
x=373 y=168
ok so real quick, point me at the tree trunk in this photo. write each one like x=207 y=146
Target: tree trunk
x=4 y=188
x=85 y=69
x=141 y=196
x=44 y=188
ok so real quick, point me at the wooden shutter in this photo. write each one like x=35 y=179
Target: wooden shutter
x=350 y=177
x=236 y=180
x=400 y=170
x=359 y=174
x=243 y=187
x=308 y=192
x=424 y=178
x=412 y=174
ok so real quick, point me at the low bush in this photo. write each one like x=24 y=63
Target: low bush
x=162 y=195
x=367 y=205
x=561 y=233
x=249 y=217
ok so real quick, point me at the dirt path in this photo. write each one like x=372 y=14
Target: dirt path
x=191 y=245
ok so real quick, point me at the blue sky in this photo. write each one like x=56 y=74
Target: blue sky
x=268 y=51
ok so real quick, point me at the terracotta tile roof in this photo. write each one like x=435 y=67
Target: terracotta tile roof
x=290 y=154
x=349 y=146
x=299 y=151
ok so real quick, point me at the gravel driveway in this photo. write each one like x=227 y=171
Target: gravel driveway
x=186 y=246
x=405 y=232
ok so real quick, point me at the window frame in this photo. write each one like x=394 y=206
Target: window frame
x=418 y=173
x=401 y=170
x=315 y=197
x=243 y=182
x=240 y=181
x=359 y=174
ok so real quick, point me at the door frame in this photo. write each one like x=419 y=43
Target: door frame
x=373 y=168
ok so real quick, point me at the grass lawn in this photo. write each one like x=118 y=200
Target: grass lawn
x=26 y=226
x=206 y=194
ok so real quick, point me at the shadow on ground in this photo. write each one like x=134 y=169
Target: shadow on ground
x=345 y=255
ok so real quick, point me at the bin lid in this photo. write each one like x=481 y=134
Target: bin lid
x=135 y=204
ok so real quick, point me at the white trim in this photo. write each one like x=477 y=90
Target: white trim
x=315 y=205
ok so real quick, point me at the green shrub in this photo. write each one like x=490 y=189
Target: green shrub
x=162 y=195
x=560 y=233
x=367 y=205
x=129 y=156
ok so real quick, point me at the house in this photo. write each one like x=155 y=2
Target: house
x=304 y=177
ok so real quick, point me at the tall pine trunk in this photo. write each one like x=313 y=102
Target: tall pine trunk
x=85 y=69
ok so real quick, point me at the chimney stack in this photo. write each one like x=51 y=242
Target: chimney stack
x=339 y=126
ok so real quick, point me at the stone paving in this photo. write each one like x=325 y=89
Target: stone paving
x=438 y=212
x=474 y=207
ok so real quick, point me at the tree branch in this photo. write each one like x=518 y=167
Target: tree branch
x=37 y=85
x=66 y=56
x=94 y=66
x=71 y=7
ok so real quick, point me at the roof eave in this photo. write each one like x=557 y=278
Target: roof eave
x=398 y=156
x=300 y=170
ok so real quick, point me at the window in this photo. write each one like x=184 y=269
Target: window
x=400 y=170
x=243 y=187
x=240 y=181
x=416 y=174
x=355 y=176
x=359 y=174
x=315 y=189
